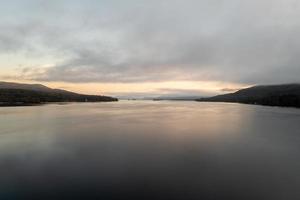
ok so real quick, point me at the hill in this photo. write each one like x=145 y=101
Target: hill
x=10 y=85
x=14 y=94
x=287 y=95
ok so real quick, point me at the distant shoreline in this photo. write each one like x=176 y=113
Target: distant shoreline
x=287 y=95
x=252 y=104
x=10 y=105
x=19 y=104
x=16 y=94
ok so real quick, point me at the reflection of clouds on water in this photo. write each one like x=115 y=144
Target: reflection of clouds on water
x=180 y=150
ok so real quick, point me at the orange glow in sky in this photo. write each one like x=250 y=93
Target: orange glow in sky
x=201 y=88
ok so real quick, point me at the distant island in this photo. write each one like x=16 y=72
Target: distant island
x=16 y=94
x=287 y=95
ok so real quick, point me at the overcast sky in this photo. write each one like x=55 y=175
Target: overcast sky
x=150 y=46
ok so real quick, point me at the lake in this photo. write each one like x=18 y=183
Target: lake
x=150 y=150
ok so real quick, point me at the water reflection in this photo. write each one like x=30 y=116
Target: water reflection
x=149 y=150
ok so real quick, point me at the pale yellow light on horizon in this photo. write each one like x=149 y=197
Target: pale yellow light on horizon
x=114 y=89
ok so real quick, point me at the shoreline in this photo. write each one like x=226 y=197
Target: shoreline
x=254 y=104
x=20 y=104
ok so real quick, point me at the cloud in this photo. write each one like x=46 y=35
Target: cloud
x=183 y=92
x=250 y=42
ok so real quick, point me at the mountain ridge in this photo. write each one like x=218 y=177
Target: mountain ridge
x=18 y=94
x=286 y=95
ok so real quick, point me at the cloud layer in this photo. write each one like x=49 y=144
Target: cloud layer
x=249 y=42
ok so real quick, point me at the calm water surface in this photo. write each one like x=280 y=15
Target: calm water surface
x=150 y=150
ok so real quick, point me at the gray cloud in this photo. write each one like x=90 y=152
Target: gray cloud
x=136 y=41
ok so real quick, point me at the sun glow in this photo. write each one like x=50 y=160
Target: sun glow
x=204 y=88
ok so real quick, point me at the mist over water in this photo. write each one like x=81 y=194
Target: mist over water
x=149 y=150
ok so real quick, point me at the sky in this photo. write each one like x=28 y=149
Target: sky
x=150 y=48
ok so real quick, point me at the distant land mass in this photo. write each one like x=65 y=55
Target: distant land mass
x=176 y=98
x=287 y=95
x=16 y=94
